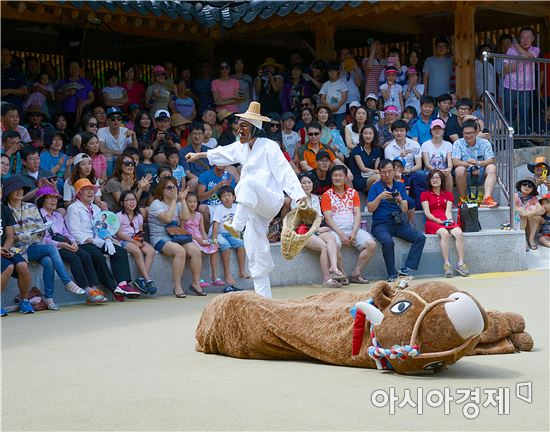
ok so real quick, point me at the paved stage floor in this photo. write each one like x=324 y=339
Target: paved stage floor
x=133 y=366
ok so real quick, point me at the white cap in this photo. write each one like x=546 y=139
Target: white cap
x=372 y=96
x=162 y=113
x=354 y=104
x=80 y=157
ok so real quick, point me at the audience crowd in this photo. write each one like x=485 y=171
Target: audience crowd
x=390 y=128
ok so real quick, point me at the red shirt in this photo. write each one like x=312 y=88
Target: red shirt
x=136 y=94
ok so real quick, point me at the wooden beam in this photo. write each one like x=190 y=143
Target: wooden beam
x=464 y=49
x=528 y=8
x=400 y=25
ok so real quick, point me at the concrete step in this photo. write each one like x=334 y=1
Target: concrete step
x=485 y=251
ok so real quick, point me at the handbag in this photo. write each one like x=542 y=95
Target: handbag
x=468 y=217
x=178 y=234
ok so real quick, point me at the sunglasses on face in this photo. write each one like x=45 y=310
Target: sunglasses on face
x=314 y=133
x=527 y=184
x=35 y=115
x=115 y=118
x=93 y=125
x=128 y=163
x=273 y=125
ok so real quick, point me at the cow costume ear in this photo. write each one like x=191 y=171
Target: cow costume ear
x=383 y=294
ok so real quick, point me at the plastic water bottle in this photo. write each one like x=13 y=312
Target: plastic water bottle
x=226 y=176
x=517 y=221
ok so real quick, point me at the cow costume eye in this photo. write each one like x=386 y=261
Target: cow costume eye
x=400 y=307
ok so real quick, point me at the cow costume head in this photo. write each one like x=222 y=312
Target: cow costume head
x=425 y=327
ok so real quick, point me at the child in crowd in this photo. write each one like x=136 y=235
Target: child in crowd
x=391 y=91
x=372 y=109
x=183 y=103
x=173 y=160
x=409 y=114
x=528 y=209
x=130 y=235
x=224 y=213
x=89 y=144
x=544 y=221
x=146 y=164
x=541 y=170
x=209 y=141
x=413 y=91
x=40 y=91
x=399 y=166
x=195 y=226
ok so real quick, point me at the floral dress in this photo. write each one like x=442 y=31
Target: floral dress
x=192 y=225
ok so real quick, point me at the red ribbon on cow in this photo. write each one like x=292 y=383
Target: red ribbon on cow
x=358 y=332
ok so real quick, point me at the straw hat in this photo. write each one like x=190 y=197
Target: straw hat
x=178 y=120
x=292 y=242
x=270 y=61
x=253 y=115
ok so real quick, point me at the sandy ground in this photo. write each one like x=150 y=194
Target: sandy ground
x=132 y=366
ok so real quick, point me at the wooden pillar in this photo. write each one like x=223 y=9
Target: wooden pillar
x=545 y=40
x=464 y=49
x=324 y=40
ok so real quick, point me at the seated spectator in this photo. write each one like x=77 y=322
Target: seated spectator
x=88 y=123
x=334 y=93
x=114 y=139
x=99 y=113
x=5 y=165
x=80 y=222
x=306 y=117
x=350 y=114
x=365 y=158
x=162 y=136
x=143 y=125
x=351 y=131
x=157 y=95
x=123 y=179
x=14 y=86
x=75 y=93
x=194 y=169
x=338 y=145
x=454 y=126
x=208 y=140
x=31 y=175
x=52 y=159
x=80 y=261
x=474 y=162
x=528 y=209
x=37 y=125
x=209 y=184
x=308 y=152
x=320 y=176
x=210 y=116
x=59 y=123
x=290 y=139
x=11 y=148
x=444 y=104
x=82 y=168
x=113 y=94
x=90 y=146
x=420 y=129
x=413 y=90
x=322 y=241
x=196 y=228
x=167 y=208
x=133 y=110
x=230 y=134
x=385 y=130
x=387 y=201
x=437 y=153
x=374 y=116
x=410 y=115
x=391 y=92
x=342 y=211
x=10 y=121
x=13 y=264
x=437 y=205
x=180 y=127
x=544 y=221
x=130 y=235
x=29 y=243
x=223 y=214
x=541 y=170
x=408 y=149
x=173 y=161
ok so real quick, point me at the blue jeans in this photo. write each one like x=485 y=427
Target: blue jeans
x=418 y=183
x=384 y=233
x=522 y=99
x=48 y=257
x=227 y=241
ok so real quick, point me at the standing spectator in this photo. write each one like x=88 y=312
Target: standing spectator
x=373 y=65
x=474 y=162
x=183 y=104
x=365 y=158
x=10 y=121
x=401 y=70
x=37 y=125
x=408 y=149
x=115 y=138
x=114 y=94
x=75 y=93
x=334 y=93
x=14 y=84
x=290 y=139
x=414 y=60
x=519 y=81
x=41 y=91
x=225 y=90
x=413 y=91
x=157 y=96
x=342 y=211
x=134 y=89
x=438 y=69
x=167 y=208
x=317 y=77
x=391 y=92
x=294 y=90
x=202 y=87
x=351 y=75
x=437 y=153
x=505 y=42
x=491 y=77
x=80 y=222
x=268 y=84
x=437 y=205
x=387 y=201
x=420 y=129
x=245 y=84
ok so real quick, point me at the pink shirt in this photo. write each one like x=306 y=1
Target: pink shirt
x=126 y=224
x=99 y=164
x=226 y=89
x=523 y=78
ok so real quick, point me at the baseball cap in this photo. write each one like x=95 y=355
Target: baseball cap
x=401 y=161
x=112 y=111
x=437 y=122
x=391 y=108
x=390 y=69
x=80 y=157
x=275 y=117
x=412 y=70
x=158 y=69
x=133 y=107
x=372 y=96
x=355 y=104
x=545 y=197
x=322 y=154
x=161 y=114
x=287 y=116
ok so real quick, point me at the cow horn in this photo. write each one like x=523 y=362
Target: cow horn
x=372 y=313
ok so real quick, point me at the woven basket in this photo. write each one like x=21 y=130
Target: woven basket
x=292 y=242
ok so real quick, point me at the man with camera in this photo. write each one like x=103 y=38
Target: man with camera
x=387 y=202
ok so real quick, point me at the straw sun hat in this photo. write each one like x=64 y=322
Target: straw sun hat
x=253 y=115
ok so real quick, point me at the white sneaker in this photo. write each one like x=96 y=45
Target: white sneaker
x=51 y=304
x=74 y=288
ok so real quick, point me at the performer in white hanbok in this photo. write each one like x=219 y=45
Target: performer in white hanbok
x=265 y=175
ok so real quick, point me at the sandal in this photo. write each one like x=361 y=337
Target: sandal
x=358 y=280
x=337 y=276
x=219 y=282
x=179 y=295
x=203 y=284
x=331 y=283
x=533 y=247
